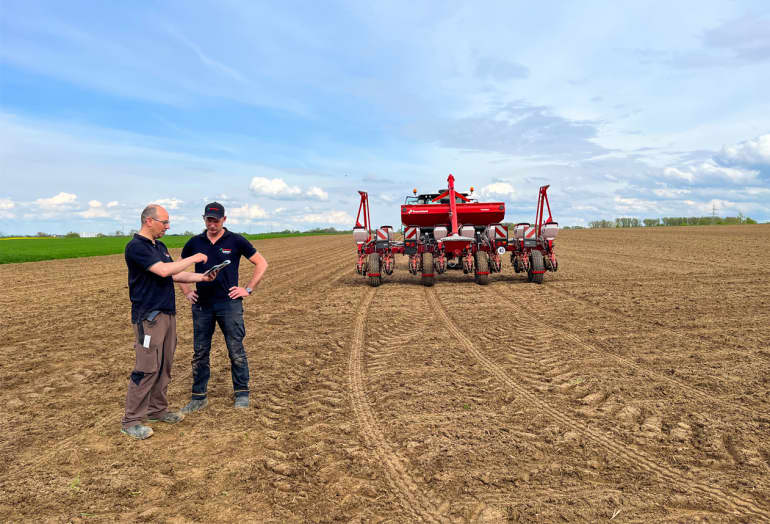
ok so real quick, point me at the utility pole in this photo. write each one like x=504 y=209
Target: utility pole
x=713 y=213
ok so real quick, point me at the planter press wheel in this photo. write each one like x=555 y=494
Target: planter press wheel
x=481 y=265
x=536 y=267
x=373 y=271
x=427 y=269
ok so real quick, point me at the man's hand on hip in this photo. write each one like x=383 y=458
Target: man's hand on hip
x=192 y=296
x=238 y=292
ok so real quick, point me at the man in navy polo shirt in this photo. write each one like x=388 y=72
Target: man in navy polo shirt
x=151 y=276
x=220 y=302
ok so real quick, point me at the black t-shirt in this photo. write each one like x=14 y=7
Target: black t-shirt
x=148 y=291
x=229 y=246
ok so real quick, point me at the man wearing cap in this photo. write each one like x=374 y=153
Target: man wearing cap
x=151 y=276
x=220 y=302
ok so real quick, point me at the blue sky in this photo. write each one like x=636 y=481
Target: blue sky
x=282 y=111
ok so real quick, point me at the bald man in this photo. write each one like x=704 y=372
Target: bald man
x=151 y=276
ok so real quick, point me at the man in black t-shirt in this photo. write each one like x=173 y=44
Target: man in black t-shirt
x=220 y=302
x=151 y=276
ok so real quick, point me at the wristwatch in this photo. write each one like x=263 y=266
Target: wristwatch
x=249 y=290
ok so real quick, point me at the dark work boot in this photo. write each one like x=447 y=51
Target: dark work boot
x=168 y=418
x=195 y=404
x=138 y=431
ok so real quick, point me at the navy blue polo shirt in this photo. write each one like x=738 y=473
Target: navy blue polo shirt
x=148 y=291
x=230 y=246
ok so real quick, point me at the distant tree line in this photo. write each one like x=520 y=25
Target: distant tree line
x=671 y=221
x=74 y=234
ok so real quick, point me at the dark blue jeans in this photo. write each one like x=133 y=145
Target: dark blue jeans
x=229 y=316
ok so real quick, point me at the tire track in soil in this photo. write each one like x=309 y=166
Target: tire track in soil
x=537 y=354
x=541 y=327
x=106 y=418
x=635 y=458
x=397 y=475
x=296 y=420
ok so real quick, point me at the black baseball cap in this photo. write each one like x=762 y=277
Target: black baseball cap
x=215 y=210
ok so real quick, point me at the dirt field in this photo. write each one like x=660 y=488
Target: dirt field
x=634 y=384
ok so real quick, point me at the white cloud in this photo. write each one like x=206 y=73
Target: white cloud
x=497 y=190
x=725 y=207
x=278 y=189
x=6 y=204
x=95 y=210
x=750 y=152
x=317 y=192
x=625 y=205
x=57 y=202
x=170 y=203
x=273 y=188
x=585 y=208
x=247 y=212
x=670 y=193
x=709 y=171
x=332 y=217
x=674 y=173
x=112 y=204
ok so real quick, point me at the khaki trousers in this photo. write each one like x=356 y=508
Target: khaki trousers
x=148 y=383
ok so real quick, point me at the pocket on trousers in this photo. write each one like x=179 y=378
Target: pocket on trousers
x=146 y=358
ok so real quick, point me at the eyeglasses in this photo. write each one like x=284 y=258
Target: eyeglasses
x=164 y=222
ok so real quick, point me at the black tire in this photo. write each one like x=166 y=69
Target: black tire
x=428 y=271
x=373 y=271
x=536 y=267
x=481 y=268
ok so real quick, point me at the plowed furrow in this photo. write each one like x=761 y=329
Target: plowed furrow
x=97 y=273
x=653 y=324
x=636 y=459
x=58 y=316
x=105 y=417
x=641 y=267
x=286 y=276
x=395 y=469
x=556 y=332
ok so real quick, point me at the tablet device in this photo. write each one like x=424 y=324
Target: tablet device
x=217 y=267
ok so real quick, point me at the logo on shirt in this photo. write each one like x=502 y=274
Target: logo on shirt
x=225 y=251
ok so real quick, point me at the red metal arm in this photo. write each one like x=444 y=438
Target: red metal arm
x=452 y=203
x=462 y=197
x=542 y=199
x=446 y=193
x=364 y=206
x=442 y=195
